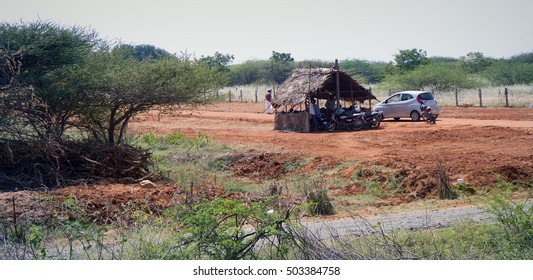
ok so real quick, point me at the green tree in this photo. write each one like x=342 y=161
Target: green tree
x=113 y=88
x=474 y=62
x=219 y=64
x=431 y=76
x=364 y=71
x=281 y=66
x=37 y=101
x=250 y=72
x=218 y=61
x=409 y=60
x=142 y=52
x=523 y=57
x=509 y=73
x=314 y=63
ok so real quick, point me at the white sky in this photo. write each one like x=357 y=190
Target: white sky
x=308 y=29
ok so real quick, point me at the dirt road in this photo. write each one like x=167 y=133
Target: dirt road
x=475 y=144
x=410 y=221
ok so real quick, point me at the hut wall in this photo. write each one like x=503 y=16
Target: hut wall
x=293 y=121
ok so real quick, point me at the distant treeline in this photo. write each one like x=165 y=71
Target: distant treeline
x=410 y=68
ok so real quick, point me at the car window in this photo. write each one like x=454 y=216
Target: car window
x=406 y=96
x=426 y=96
x=394 y=98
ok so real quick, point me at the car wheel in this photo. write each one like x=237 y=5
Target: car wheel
x=415 y=116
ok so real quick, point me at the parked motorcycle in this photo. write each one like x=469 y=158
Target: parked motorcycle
x=371 y=119
x=323 y=122
x=342 y=120
x=427 y=114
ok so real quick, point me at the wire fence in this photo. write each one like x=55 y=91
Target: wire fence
x=511 y=96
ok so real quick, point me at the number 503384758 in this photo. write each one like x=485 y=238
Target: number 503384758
x=311 y=270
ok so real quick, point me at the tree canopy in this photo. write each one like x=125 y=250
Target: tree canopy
x=68 y=77
x=408 y=60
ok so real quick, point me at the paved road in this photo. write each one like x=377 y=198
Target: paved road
x=406 y=221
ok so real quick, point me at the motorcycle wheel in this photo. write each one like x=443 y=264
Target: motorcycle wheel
x=357 y=125
x=375 y=123
x=331 y=126
x=425 y=117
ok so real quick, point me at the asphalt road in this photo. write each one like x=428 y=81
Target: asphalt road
x=419 y=220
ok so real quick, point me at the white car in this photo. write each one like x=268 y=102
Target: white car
x=406 y=104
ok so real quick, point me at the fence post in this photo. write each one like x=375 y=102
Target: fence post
x=229 y=95
x=506 y=97
x=456 y=97
x=255 y=95
x=480 y=98
x=241 y=95
x=15 y=216
x=217 y=94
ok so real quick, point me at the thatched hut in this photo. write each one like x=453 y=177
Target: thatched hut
x=320 y=83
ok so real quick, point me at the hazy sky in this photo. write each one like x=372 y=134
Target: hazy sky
x=308 y=29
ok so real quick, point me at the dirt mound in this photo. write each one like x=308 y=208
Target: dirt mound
x=510 y=173
x=103 y=203
x=420 y=185
x=34 y=164
x=262 y=166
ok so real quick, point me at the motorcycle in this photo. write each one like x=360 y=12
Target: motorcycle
x=371 y=119
x=323 y=122
x=427 y=114
x=342 y=120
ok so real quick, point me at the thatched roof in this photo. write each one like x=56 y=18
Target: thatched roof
x=318 y=83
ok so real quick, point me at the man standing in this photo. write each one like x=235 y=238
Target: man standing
x=330 y=105
x=314 y=110
x=268 y=104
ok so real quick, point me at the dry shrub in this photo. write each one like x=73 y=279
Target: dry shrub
x=445 y=187
x=37 y=164
x=319 y=202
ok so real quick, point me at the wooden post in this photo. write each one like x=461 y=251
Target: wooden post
x=15 y=217
x=480 y=98
x=456 y=97
x=338 y=84
x=370 y=100
x=506 y=97
x=273 y=79
x=217 y=94
x=241 y=95
x=229 y=95
x=256 y=95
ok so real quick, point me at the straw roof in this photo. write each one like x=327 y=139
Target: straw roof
x=318 y=83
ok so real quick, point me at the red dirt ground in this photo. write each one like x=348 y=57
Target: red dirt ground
x=475 y=144
x=472 y=143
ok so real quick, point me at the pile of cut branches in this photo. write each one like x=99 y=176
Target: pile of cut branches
x=49 y=164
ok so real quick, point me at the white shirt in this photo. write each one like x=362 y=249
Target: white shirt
x=314 y=110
